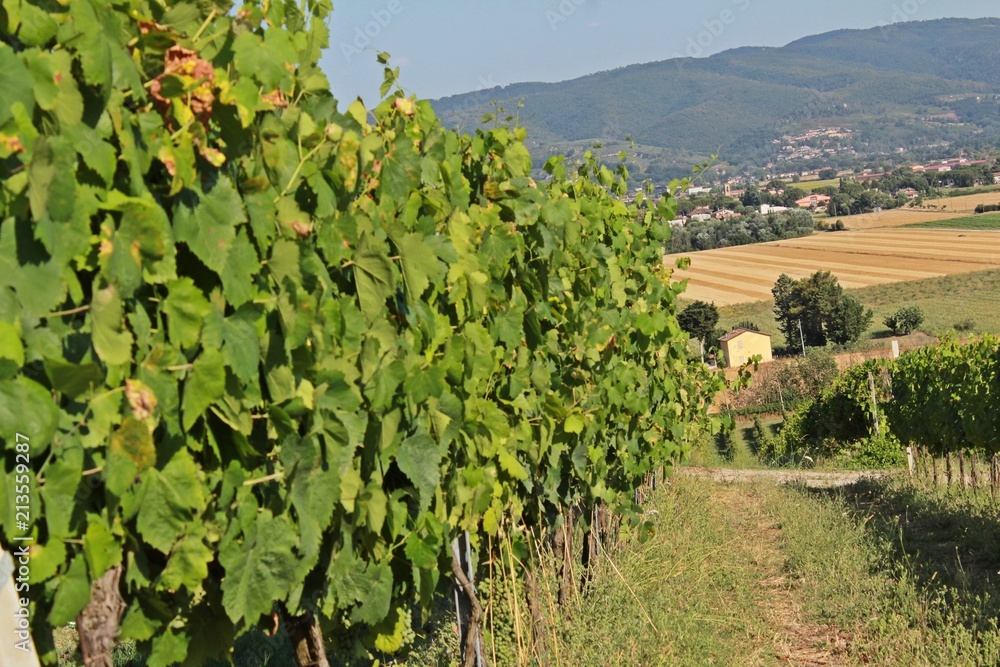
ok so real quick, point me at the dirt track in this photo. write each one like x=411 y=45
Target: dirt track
x=812 y=479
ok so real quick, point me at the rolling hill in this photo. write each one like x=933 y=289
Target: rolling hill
x=909 y=87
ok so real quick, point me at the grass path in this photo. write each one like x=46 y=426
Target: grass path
x=795 y=640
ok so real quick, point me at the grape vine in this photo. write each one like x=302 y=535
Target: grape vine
x=275 y=355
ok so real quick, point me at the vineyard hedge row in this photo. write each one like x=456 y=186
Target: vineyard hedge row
x=268 y=353
x=941 y=398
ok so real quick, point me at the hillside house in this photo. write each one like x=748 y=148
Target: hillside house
x=909 y=193
x=740 y=345
x=813 y=201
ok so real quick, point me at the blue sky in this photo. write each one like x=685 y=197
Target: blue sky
x=445 y=47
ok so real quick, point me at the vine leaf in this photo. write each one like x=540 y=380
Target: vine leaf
x=27 y=408
x=420 y=265
x=373 y=276
x=188 y=564
x=72 y=594
x=112 y=341
x=168 y=499
x=315 y=489
x=207 y=224
x=260 y=569
x=206 y=384
x=420 y=460
x=186 y=308
x=59 y=491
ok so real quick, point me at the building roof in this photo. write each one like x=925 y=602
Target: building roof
x=739 y=332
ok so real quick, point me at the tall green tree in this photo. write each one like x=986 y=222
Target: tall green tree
x=700 y=319
x=848 y=321
x=817 y=309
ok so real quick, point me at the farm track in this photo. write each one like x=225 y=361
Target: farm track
x=862 y=258
x=794 y=639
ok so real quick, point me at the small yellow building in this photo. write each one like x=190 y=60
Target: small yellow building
x=740 y=345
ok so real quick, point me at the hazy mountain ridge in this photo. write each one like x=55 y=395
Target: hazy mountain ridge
x=740 y=101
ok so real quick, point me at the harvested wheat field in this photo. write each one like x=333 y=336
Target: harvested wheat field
x=858 y=258
x=933 y=209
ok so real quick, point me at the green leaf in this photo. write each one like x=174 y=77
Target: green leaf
x=420 y=265
x=73 y=380
x=26 y=266
x=37 y=25
x=375 y=605
x=242 y=267
x=205 y=385
x=52 y=180
x=401 y=172
x=100 y=547
x=389 y=635
x=373 y=276
x=314 y=490
x=420 y=460
x=241 y=347
x=27 y=408
x=169 y=649
x=97 y=154
x=142 y=246
x=422 y=383
x=188 y=563
x=137 y=625
x=186 y=309
x=59 y=491
x=55 y=85
x=11 y=350
x=265 y=59
x=112 y=341
x=72 y=593
x=46 y=559
x=15 y=81
x=574 y=423
x=168 y=499
x=350 y=487
x=260 y=570
x=421 y=553
x=131 y=452
x=208 y=224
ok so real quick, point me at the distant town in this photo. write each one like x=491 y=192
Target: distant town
x=827 y=190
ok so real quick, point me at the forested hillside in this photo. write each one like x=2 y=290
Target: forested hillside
x=906 y=86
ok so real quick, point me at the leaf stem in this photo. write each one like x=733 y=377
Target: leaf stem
x=298 y=169
x=67 y=313
x=178 y=369
x=211 y=17
x=263 y=480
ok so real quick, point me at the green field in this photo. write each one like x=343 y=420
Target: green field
x=982 y=221
x=947 y=303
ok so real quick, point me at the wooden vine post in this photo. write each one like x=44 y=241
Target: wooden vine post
x=467 y=606
x=98 y=623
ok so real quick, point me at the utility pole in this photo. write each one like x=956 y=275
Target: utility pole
x=802 y=338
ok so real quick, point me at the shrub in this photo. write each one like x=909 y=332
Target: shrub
x=966 y=325
x=905 y=320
